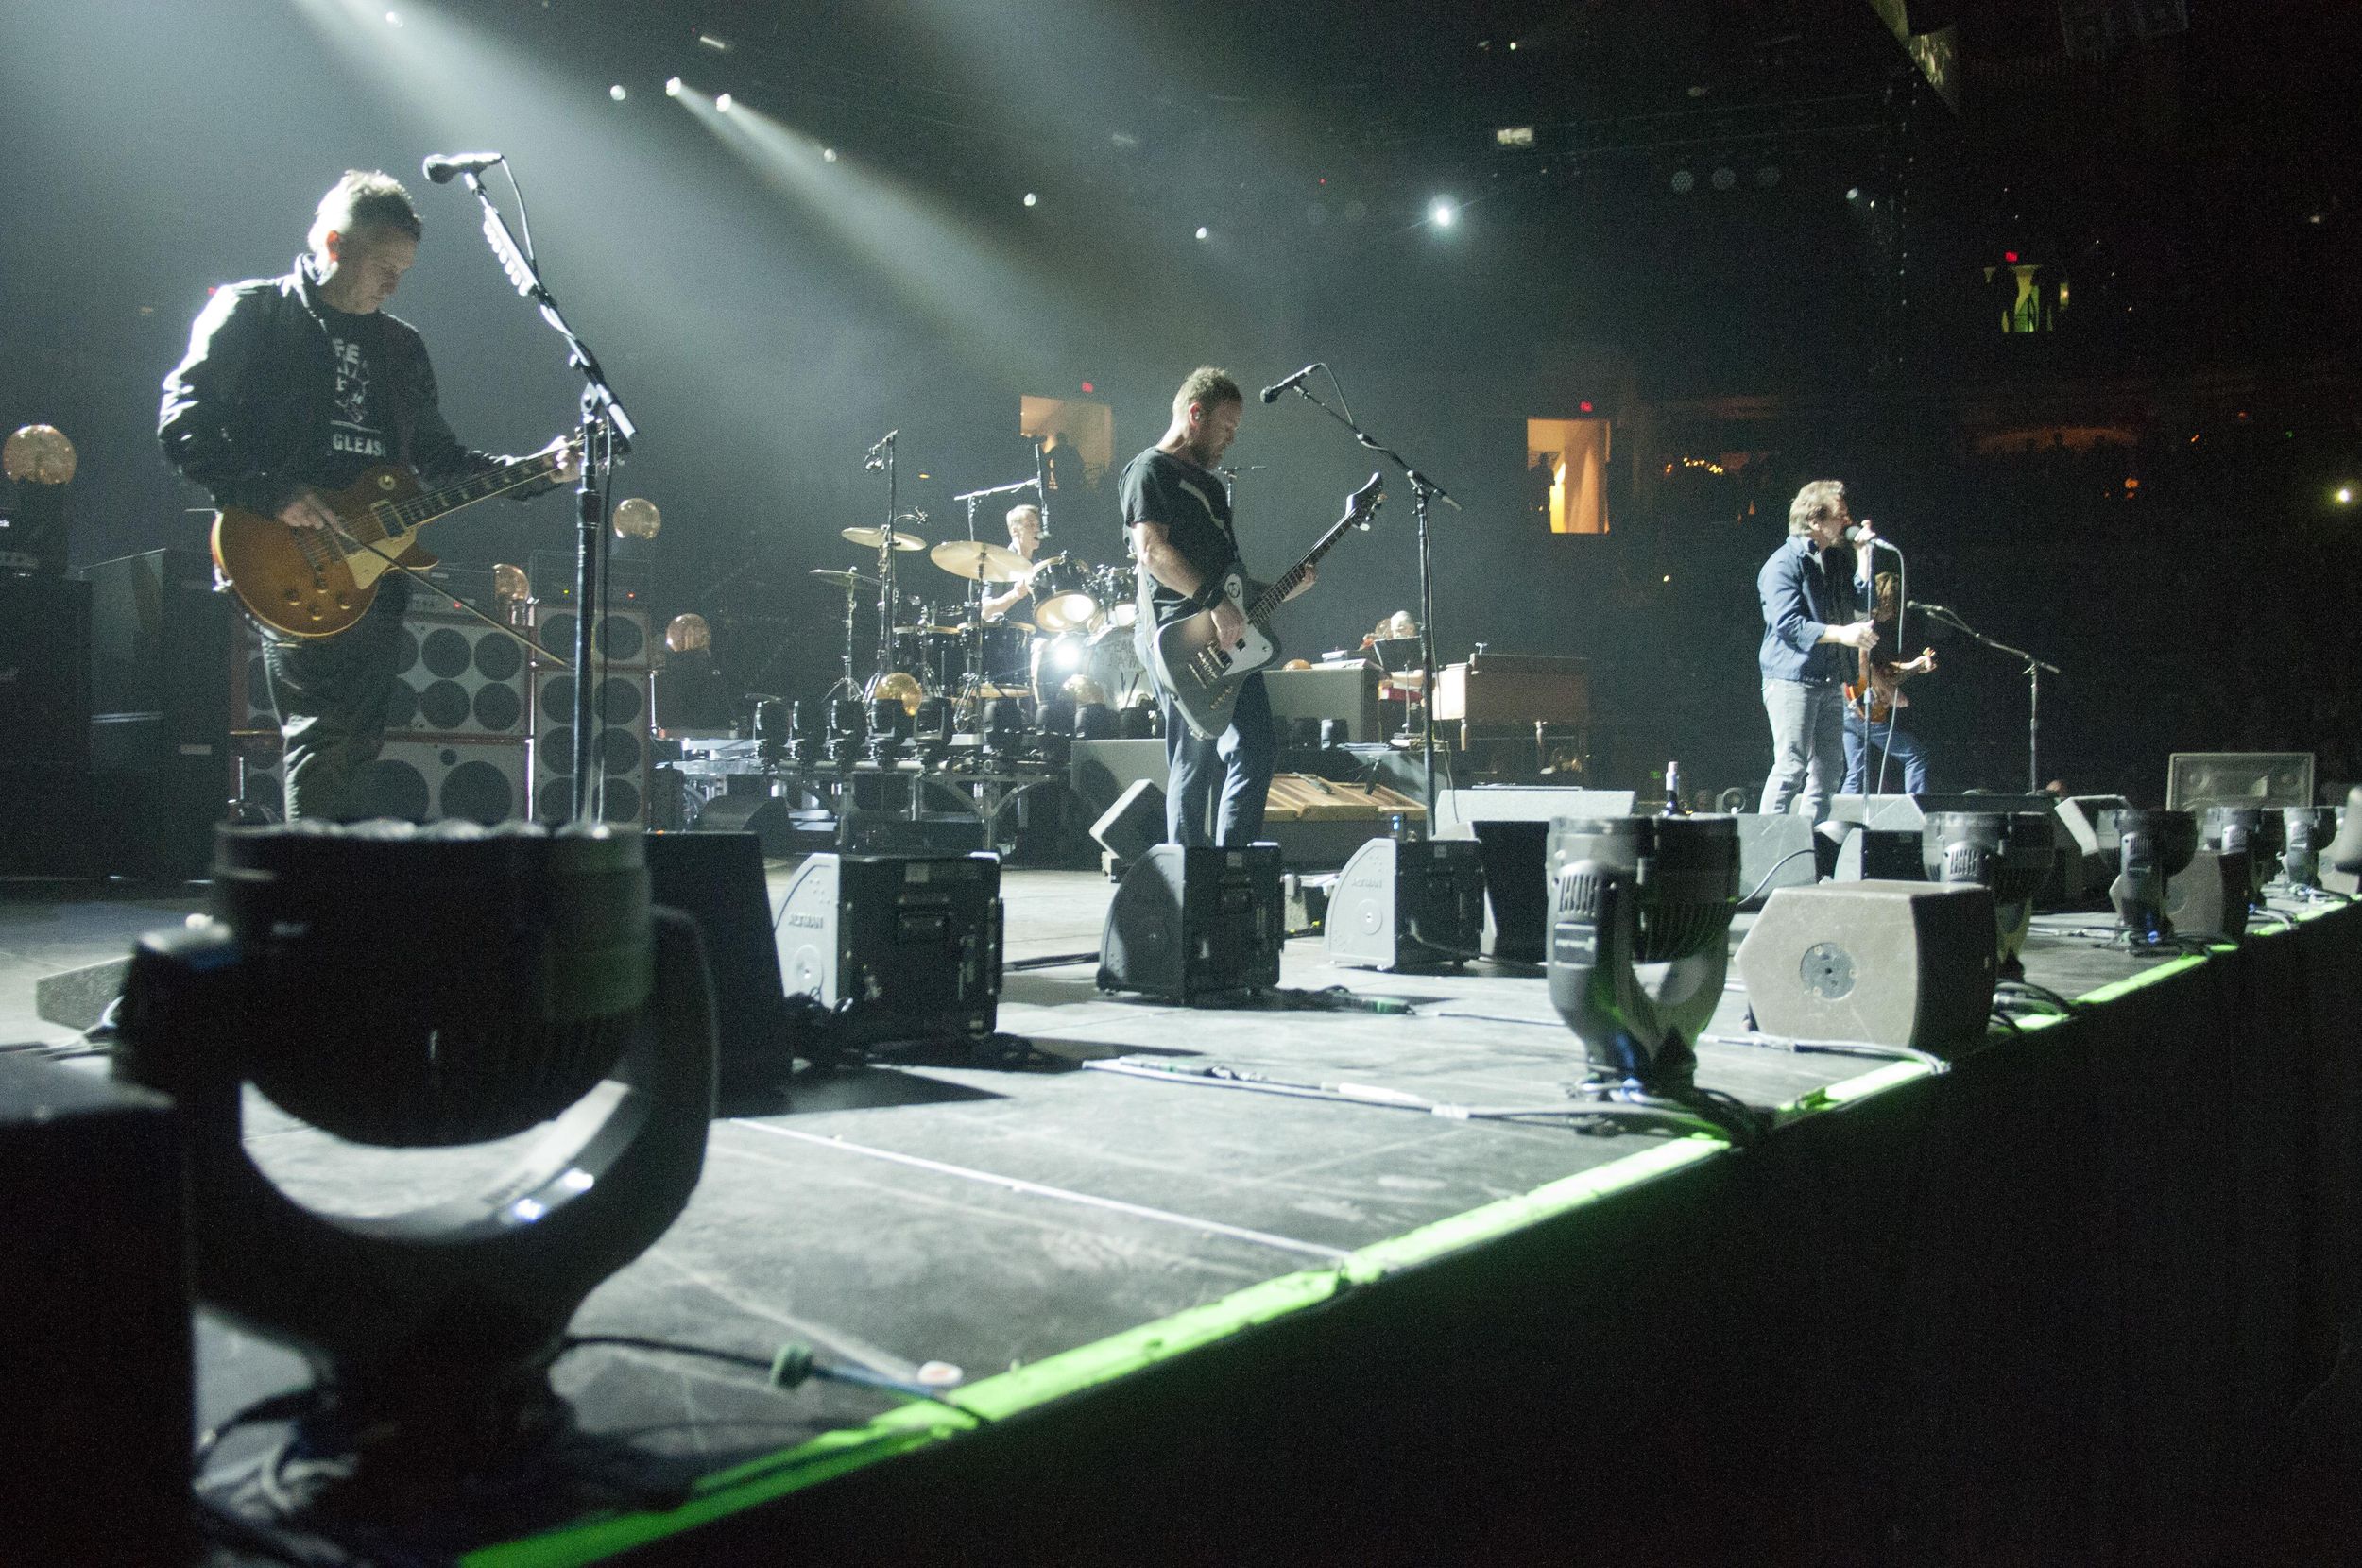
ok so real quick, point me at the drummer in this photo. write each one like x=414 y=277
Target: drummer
x=1025 y=538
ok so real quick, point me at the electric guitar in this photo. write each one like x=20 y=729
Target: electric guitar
x=1873 y=697
x=1188 y=659
x=315 y=581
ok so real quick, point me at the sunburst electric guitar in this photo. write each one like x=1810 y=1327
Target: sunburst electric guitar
x=1191 y=665
x=315 y=581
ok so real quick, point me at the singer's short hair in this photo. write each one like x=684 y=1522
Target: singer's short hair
x=1817 y=502
x=364 y=199
x=1208 y=386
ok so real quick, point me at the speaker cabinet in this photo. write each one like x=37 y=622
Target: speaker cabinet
x=1399 y=905
x=159 y=638
x=428 y=778
x=1133 y=825
x=45 y=672
x=458 y=677
x=2209 y=897
x=897 y=947
x=1774 y=852
x=1881 y=855
x=94 y=1288
x=1888 y=964
x=620 y=701
x=1188 y=925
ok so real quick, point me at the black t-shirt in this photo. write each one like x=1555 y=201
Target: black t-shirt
x=1194 y=507
x=356 y=420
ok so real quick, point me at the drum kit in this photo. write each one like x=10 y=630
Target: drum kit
x=1076 y=646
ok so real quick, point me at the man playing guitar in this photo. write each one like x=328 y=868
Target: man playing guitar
x=292 y=388
x=1178 y=513
x=1873 y=699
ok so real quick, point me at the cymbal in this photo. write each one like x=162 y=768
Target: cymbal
x=845 y=579
x=869 y=538
x=927 y=631
x=986 y=563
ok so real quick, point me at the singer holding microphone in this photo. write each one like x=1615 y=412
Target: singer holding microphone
x=291 y=388
x=1813 y=634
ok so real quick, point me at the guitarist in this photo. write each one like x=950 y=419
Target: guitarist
x=1178 y=511
x=292 y=386
x=1871 y=718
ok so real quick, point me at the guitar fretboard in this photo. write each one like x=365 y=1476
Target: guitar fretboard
x=1277 y=590
x=418 y=510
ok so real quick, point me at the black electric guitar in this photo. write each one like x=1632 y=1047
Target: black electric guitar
x=1198 y=672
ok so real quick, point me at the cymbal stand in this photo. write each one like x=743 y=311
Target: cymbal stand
x=882 y=456
x=846 y=682
x=972 y=637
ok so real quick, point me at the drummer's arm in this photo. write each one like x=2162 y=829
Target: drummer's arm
x=998 y=604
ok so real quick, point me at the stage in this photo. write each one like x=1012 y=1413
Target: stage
x=2059 y=1302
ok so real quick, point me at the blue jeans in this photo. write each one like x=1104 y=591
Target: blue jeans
x=1808 y=743
x=1899 y=743
x=1241 y=758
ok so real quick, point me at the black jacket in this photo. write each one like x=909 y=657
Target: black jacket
x=245 y=413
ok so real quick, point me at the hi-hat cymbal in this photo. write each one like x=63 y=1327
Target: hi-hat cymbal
x=869 y=538
x=845 y=579
x=985 y=563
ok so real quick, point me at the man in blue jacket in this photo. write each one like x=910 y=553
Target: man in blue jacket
x=1814 y=633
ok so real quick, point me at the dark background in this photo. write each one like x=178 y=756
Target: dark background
x=766 y=316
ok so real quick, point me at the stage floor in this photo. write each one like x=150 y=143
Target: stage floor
x=994 y=1214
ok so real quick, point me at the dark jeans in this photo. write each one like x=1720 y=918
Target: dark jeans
x=1896 y=742
x=1241 y=758
x=332 y=697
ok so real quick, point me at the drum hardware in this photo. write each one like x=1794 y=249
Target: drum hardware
x=872 y=538
x=1060 y=588
x=852 y=582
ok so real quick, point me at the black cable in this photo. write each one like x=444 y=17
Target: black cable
x=1774 y=871
x=1052 y=961
x=792 y=1364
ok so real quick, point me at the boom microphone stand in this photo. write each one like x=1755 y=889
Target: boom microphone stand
x=607 y=435
x=1423 y=492
x=2034 y=669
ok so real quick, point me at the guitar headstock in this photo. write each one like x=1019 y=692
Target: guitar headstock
x=1363 y=503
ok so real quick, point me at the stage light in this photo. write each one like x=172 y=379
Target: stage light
x=1032 y=200
x=617 y=93
x=1514 y=136
x=2156 y=848
x=719 y=46
x=636 y=518
x=1683 y=182
x=2342 y=495
x=1203 y=232
x=723 y=103
x=827 y=155
x=671 y=87
x=1853 y=192
x=1089 y=387
x=1444 y=214
x=393 y=19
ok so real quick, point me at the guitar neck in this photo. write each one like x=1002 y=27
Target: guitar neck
x=1277 y=589
x=425 y=508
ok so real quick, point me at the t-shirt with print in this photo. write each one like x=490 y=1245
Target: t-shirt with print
x=1194 y=507
x=357 y=437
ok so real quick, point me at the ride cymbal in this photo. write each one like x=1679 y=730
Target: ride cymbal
x=977 y=560
x=845 y=579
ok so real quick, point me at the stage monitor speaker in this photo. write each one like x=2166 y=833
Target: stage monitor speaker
x=716 y=879
x=44 y=672
x=1192 y=925
x=1402 y=904
x=2208 y=898
x=1913 y=812
x=2196 y=779
x=1888 y=963
x=765 y=816
x=1774 y=852
x=2088 y=853
x=897 y=947
x=1881 y=855
x=433 y=778
x=1134 y=824
x=93 y=1289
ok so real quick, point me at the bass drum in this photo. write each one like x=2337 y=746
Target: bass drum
x=1063 y=601
x=936 y=657
x=1096 y=667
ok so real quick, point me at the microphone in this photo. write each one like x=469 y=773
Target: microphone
x=1925 y=607
x=873 y=459
x=1854 y=534
x=1271 y=393
x=440 y=166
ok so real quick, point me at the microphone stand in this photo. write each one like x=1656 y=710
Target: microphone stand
x=2034 y=669
x=887 y=604
x=607 y=435
x=1423 y=492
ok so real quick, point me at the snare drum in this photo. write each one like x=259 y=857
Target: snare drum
x=1061 y=592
